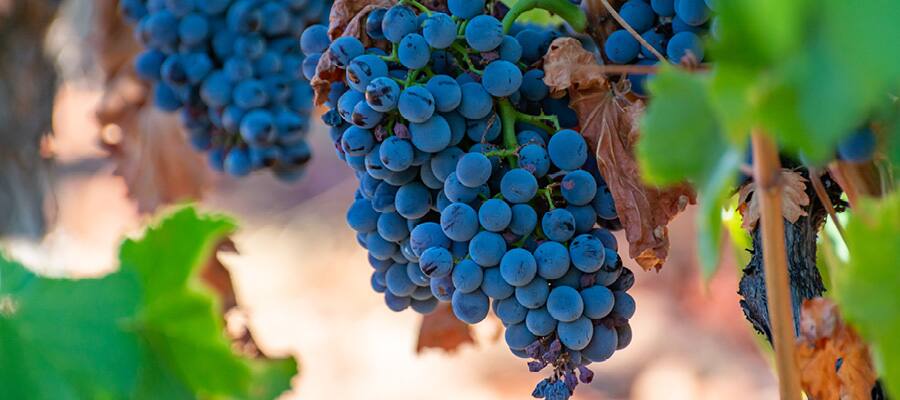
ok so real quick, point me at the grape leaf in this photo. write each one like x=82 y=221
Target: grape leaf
x=833 y=360
x=793 y=199
x=866 y=289
x=682 y=140
x=149 y=330
x=608 y=123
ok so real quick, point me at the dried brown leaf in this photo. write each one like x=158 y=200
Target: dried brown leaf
x=442 y=330
x=348 y=18
x=834 y=362
x=793 y=200
x=609 y=124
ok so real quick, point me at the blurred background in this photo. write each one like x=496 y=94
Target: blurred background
x=301 y=279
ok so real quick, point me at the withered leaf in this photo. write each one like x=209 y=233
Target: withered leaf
x=833 y=360
x=793 y=199
x=442 y=330
x=348 y=18
x=609 y=124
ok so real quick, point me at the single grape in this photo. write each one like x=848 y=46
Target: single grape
x=663 y=8
x=494 y=215
x=398 y=22
x=445 y=91
x=362 y=217
x=427 y=235
x=476 y=101
x=436 y=262
x=567 y=150
x=859 y=146
x=510 y=311
x=552 y=260
x=344 y=49
x=518 y=186
x=416 y=104
x=382 y=94
x=501 y=78
x=439 y=30
x=471 y=307
x=576 y=334
x=602 y=345
x=620 y=47
x=442 y=288
x=465 y=9
x=534 y=294
x=473 y=170
x=624 y=306
x=510 y=49
x=693 y=12
x=524 y=219
x=533 y=86
x=533 y=158
x=459 y=222
x=558 y=225
x=484 y=33
x=413 y=52
x=487 y=248
x=682 y=44
x=396 y=154
x=638 y=14
x=413 y=200
x=540 y=322
x=363 y=69
x=598 y=301
x=518 y=337
x=467 y=276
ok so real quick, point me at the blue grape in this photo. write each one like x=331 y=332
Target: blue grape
x=693 y=12
x=578 y=187
x=471 y=307
x=362 y=217
x=484 y=33
x=398 y=282
x=565 y=304
x=396 y=303
x=398 y=22
x=524 y=219
x=346 y=104
x=501 y=78
x=859 y=146
x=413 y=52
x=444 y=163
x=624 y=306
x=426 y=306
x=510 y=49
x=363 y=69
x=657 y=40
x=533 y=86
x=678 y=25
x=373 y=23
x=467 y=276
x=663 y=8
x=427 y=235
x=567 y=150
x=473 y=170
x=682 y=44
x=598 y=301
x=416 y=104
x=518 y=337
x=445 y=91
x=417 y=276
x=518 y=267
x=552 y=260
x=456 y=191
x=637 y=14
x=237 y=162
x=495 y=215
x=396 y=154
x=382 y=94
x=391 y=226
x=413 y=200
x=540 y=322
x=439 y=30
x=430 y=136
x=484 y=130
x=476 y=101
x=623 y=336
x=534 y=159
x=442 y=288
x=602 y=345
x=487 y=249
x=510 y=311
x=518 y=186
x=364 y=116
x=258 y=127
x=466 y=9
x=459 y=222
x=379 y=247
x=216 y=89
x=436 y=262
x=576 y=334
x=193 y=29
x=534 y=294
x=558 y=225
x=147 y=64
x=587 y=253
x=585 y=218
x=344 y=49
x=621 y=47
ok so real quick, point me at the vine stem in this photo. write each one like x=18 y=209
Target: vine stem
x=564 y=8
x=540 y=121
x=633 y=32
x=508 y=117
x=766 y=173
x=418 y=5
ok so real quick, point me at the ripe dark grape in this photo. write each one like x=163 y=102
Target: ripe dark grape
x=471 y=187
x=234 y=70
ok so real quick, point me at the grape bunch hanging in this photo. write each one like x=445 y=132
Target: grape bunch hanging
x=234 y=71
x=473 y=187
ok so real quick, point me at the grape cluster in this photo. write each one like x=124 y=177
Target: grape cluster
x=674 y=28
x=473 y=188
x=234 y=71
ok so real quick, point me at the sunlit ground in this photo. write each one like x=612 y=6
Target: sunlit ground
x=304 y=284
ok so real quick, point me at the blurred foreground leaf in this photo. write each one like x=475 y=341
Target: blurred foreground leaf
x=867 y=290
x=150 y=330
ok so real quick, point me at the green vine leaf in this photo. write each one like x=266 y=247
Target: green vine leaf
x=681 y=139
x=150 y=330
x=867 y=288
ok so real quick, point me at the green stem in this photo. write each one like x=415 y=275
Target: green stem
x=465 y=56
x=540 y=121
x=503 y=153
x=418 y=5
x=508 y=123
x=564 y=8
x=548 y=195
x=393 y=57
